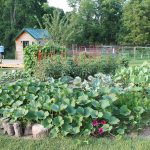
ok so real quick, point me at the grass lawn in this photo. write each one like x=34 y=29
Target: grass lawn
x=10 y=143
x=3 y=70
x=138 y=62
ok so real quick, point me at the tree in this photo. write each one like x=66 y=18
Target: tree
x=136 y=22
x=99 y=20
x=61 y=28
x=15 y=15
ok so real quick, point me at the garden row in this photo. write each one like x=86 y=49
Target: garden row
x=101 y=105
x=57 y=66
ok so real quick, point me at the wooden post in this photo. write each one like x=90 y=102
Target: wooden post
x=39 y=56
x=134 y=52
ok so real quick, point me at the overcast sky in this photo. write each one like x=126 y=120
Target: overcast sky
x=60 y=4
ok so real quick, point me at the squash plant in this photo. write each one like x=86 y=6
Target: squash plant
x=75 y=107
x=64 y=109
x=134 y=101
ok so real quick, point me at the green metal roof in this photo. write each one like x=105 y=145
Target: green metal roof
x=36 y=33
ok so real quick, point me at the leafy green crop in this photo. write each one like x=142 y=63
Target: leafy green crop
x=70 y=107
x=64 y=109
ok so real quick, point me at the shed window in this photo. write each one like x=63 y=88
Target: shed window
x=25 y=43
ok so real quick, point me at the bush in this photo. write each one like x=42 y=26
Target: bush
x=81 y=65
x=55 y=67
x=31 y=53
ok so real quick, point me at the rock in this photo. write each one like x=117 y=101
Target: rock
x=28 y=129
x=18 y=129
x=4 y=125
x=39 y=131
x=145 y=133
x=133 y=134
x=10 y=129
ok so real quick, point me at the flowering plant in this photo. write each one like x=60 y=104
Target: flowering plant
x=99 y=129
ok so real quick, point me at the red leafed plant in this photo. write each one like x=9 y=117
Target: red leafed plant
x=98 y=126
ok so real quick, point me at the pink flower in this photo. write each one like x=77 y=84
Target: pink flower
x=95 y=123
x=103 y=122
x=100 y=131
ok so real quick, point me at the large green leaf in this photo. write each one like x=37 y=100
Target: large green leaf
x=19 y=113
x=80 y=111
x=125 y=111
x=58 y=121
x=120 y=131
x=77 y=81
x=114 y=120
x=107 y=115
x=105 y=104
x=62 y=106
x=71 y=110
x=83 y=99
x=95 y=103
x=94 y=114
x=17 y=104
x=75 y=130
x=68 y=119
x=55 y=107
x=54 y=132
x=47 y=122
x=31 y=115
x=67 y=127
x=139 y=110
x=41 y=114
x=87 y=112
x=86 y=132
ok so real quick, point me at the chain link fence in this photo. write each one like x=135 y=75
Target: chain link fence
x=130 y=52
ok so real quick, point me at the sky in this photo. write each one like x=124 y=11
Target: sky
x=60 y=4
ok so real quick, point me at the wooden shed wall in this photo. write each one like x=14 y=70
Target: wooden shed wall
x=19 y=45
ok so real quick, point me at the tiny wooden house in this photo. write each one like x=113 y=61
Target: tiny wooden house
x=30 y=36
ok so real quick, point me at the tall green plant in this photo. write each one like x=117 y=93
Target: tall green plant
x=30 y=56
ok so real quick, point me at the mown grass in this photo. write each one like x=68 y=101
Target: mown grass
x=4 y=70
x=138 y=62
x=11 y=143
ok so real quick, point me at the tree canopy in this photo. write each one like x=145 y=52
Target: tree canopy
x=90 y=21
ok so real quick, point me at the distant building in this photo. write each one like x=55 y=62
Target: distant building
x=30 y=36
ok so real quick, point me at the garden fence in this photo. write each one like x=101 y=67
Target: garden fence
x=130 y=52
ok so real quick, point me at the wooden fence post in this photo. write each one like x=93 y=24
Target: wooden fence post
x=39 y=56
x=134 y=52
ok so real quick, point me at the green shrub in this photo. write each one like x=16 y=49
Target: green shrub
x=81 y=65
x=84 y=66
x=31 y=53
x=30 y=57
x=55 y=67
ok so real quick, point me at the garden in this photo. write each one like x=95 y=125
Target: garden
x=74 y=102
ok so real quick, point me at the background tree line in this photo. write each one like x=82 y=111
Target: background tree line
x=90 y=21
